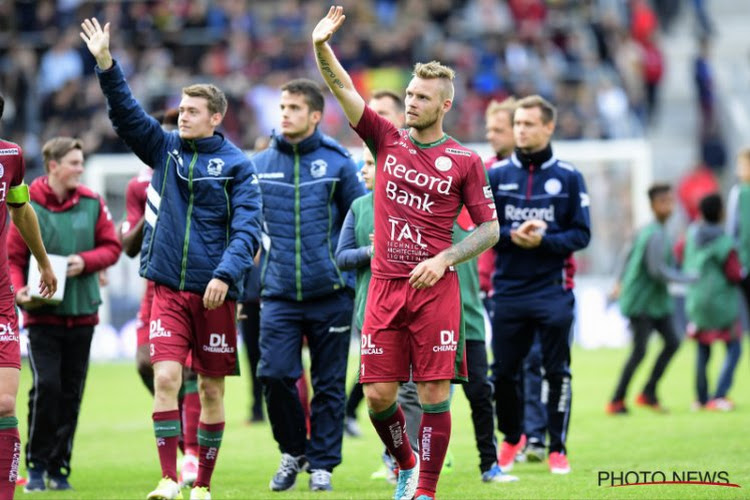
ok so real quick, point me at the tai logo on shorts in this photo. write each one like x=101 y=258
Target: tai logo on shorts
x=448 y=341
x=368 y=346
x=217 y=343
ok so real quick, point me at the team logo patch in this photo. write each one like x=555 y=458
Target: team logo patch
x=2 y=170
x=443 y=163
x=318 y=168
x=553 y=186
x=214 y=166
x=459 y=152
x=487 y=191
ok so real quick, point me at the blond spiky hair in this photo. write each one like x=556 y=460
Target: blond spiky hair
x=434 y=69
x=507 y=105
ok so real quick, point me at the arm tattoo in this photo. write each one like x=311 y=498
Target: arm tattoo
x=477 y=242
x=325 y=68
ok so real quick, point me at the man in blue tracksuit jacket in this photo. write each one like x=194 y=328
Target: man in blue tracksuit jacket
x=308 y=182
x=542 y=207
x=202 y=229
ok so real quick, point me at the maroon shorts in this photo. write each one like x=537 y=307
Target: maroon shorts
x=10 y=346
x=412 y=332
x=180 y=325
x=142 y=324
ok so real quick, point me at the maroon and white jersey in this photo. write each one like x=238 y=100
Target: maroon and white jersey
x=135 y=199
x=12 y=170
x=419 y=190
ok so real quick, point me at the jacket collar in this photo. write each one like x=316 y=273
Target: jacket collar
x=42 y=193
x=305 y=146
x=205 y=145
x=543 y=158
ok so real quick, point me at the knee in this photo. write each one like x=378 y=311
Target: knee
x=7 y=405
x=378 y=398
x=167 y=381
x=211 y=390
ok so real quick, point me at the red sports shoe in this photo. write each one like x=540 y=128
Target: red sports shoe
x=720 y=404
x=651 y=402
x=558 y=463
x=21 y=481
x=616 y=408
x=508 y=453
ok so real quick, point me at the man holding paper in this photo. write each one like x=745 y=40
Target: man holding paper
x=76 y=225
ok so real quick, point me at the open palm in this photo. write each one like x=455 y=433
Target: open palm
x=329 y=25
x=96 y=38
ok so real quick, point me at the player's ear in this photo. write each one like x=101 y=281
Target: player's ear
x=316 y=116
x=447 y=105
x=215 y=119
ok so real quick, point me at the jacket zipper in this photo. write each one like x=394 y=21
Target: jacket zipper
x=530 y=182
x=297 y=229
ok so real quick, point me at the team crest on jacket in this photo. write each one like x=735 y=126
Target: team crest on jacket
x=214 y=166
x=553 y=186
x=318 y=168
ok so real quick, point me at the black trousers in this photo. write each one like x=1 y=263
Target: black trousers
x=642 y=327
x=550 y=313
x=250 y=331
x=479 y=392
x=59 y=358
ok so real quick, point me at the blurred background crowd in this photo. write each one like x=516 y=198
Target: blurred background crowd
x=598 y=60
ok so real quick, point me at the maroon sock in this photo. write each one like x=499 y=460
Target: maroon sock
x=10 y=457
x=191 y=412
x=167 y=431
x=434 y=436
x=391 y=427
x=209 y=441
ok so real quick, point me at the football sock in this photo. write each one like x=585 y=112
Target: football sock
x=209 y=441
x=10 y=456
x=391 y=427
x=167 y=431
x=434 y=436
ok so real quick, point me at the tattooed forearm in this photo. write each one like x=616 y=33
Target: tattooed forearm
x=483 y=237
x=327 y=72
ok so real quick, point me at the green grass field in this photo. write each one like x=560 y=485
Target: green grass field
x=114 y=454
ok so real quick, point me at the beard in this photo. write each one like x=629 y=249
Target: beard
x=424 y=121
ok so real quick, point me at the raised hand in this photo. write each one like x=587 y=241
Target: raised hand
x=328 y=25
x=97 y=41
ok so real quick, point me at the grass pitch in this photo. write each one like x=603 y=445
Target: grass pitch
x=114 y=454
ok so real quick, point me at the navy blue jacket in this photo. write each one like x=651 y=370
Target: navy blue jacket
x=203 y=209
x=538 y=186
x=307 y=190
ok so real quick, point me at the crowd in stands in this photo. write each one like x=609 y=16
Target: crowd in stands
x=597 y=60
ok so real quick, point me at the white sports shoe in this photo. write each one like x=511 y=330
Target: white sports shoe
x=200 y=493
x=189 y=470
x=407 y=482
x=167 y=489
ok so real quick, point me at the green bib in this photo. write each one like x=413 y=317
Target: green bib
x=363 y=226
x=468 y=279
x=743 y=207
x=66 y=233
x=640 y=294
x=712 y=302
